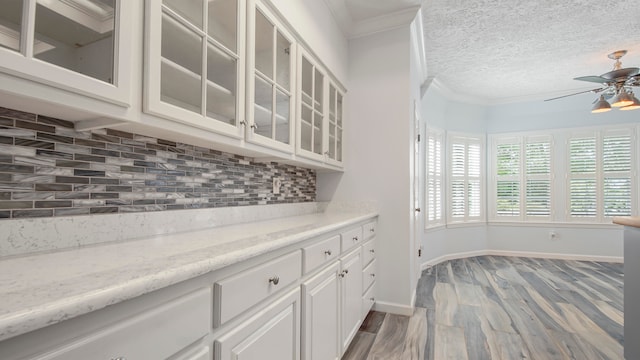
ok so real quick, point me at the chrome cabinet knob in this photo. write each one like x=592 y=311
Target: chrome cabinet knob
x=355 y=238
x=417 y=209
x=373 y=275
x=328 y=252
x=372 y=230
x=372 y=251
x=372 y=299
x=274 y=280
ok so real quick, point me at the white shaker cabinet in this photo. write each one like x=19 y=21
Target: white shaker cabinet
x=271 y=61
x=194 y=63
x=83 y=47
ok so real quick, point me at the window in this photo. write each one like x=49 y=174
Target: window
x=466 y=154
x=596 y=175
x=600 y=178
x=435 y=178
x=522 y=178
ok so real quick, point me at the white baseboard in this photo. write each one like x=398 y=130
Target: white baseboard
x=393 y=308
x=462 y=255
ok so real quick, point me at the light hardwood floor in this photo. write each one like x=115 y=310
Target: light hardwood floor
x=507 y=308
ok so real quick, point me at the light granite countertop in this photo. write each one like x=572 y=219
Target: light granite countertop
x=43 y=289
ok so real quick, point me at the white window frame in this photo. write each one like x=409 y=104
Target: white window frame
x=435 y=173
x=467 y=139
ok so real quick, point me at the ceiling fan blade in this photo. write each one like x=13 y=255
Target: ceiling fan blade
x=595 y=91
x=593 y=78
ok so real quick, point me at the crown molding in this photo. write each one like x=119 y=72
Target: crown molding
x=417 y=38
x=384 y=22
x=340 y=13
x=451 y=95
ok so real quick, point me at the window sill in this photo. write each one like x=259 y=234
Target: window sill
x=549 y=224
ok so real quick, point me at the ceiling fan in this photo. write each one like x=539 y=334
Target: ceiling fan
x=616 y=85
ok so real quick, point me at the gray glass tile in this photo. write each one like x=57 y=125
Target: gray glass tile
x=53 y=121
x=104 y=210
x=53 y=187
x=32 y=213
x=16 y=204
x=34 y=126
x=53 y=204
x=54 y=154
x=90 y=143
x=120 y=134
x=71 y=211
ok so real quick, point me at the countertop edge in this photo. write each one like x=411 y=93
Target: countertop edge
x=633 y=221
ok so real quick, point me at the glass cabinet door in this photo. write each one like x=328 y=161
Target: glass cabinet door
x=334 y=151
x=312 y=109
x=194 y=73
x=271 y=109
x=69 y=44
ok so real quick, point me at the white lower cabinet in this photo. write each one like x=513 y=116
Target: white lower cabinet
x=351 y=297
x=304 y=303
x=321 y=316
x=270 y=334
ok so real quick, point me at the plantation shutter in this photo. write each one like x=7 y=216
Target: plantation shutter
x=616 y=166
x=538 y=177
x=434 y=177
x=508 y=154
x=465 y=178
x=583 y=189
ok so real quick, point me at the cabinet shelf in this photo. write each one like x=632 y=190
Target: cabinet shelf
x=182 y=87
x=266 y=112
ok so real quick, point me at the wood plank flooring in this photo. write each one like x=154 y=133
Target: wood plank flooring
x=491 y=307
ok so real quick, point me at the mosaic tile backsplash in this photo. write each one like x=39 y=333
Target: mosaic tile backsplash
x=49 y=169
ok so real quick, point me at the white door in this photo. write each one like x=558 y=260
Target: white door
x=320 y=305
x=418 y=174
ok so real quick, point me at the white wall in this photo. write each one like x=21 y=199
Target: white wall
x=377 y=161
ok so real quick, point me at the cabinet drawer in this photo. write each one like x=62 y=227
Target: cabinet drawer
x=237 y=293
x=368 y=299
x=369 y=229
x=368 y=252
x=154 y=334
x=369 y=275
x=317 y=254
x=351 y=238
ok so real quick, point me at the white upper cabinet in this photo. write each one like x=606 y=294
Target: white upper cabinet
x=194 y=58
x=81 y=46
x=271 y=51
x=320 y=113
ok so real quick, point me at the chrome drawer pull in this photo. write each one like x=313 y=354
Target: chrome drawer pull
x=275 y=280
x=372 y=251
x=344 y=272
x=119 y=358
x=328 y=252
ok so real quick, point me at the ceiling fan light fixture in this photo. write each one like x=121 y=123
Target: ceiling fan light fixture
x=622 y=99
x=634 y=105
x=601 y=106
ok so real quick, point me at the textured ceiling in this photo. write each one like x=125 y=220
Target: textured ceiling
x=501 y=50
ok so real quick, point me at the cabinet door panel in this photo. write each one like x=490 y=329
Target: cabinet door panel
x=270 y=107
x=351 y=296
x=321 y=316
x=270 y=334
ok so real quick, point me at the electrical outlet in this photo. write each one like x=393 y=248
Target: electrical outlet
x=276 y=185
